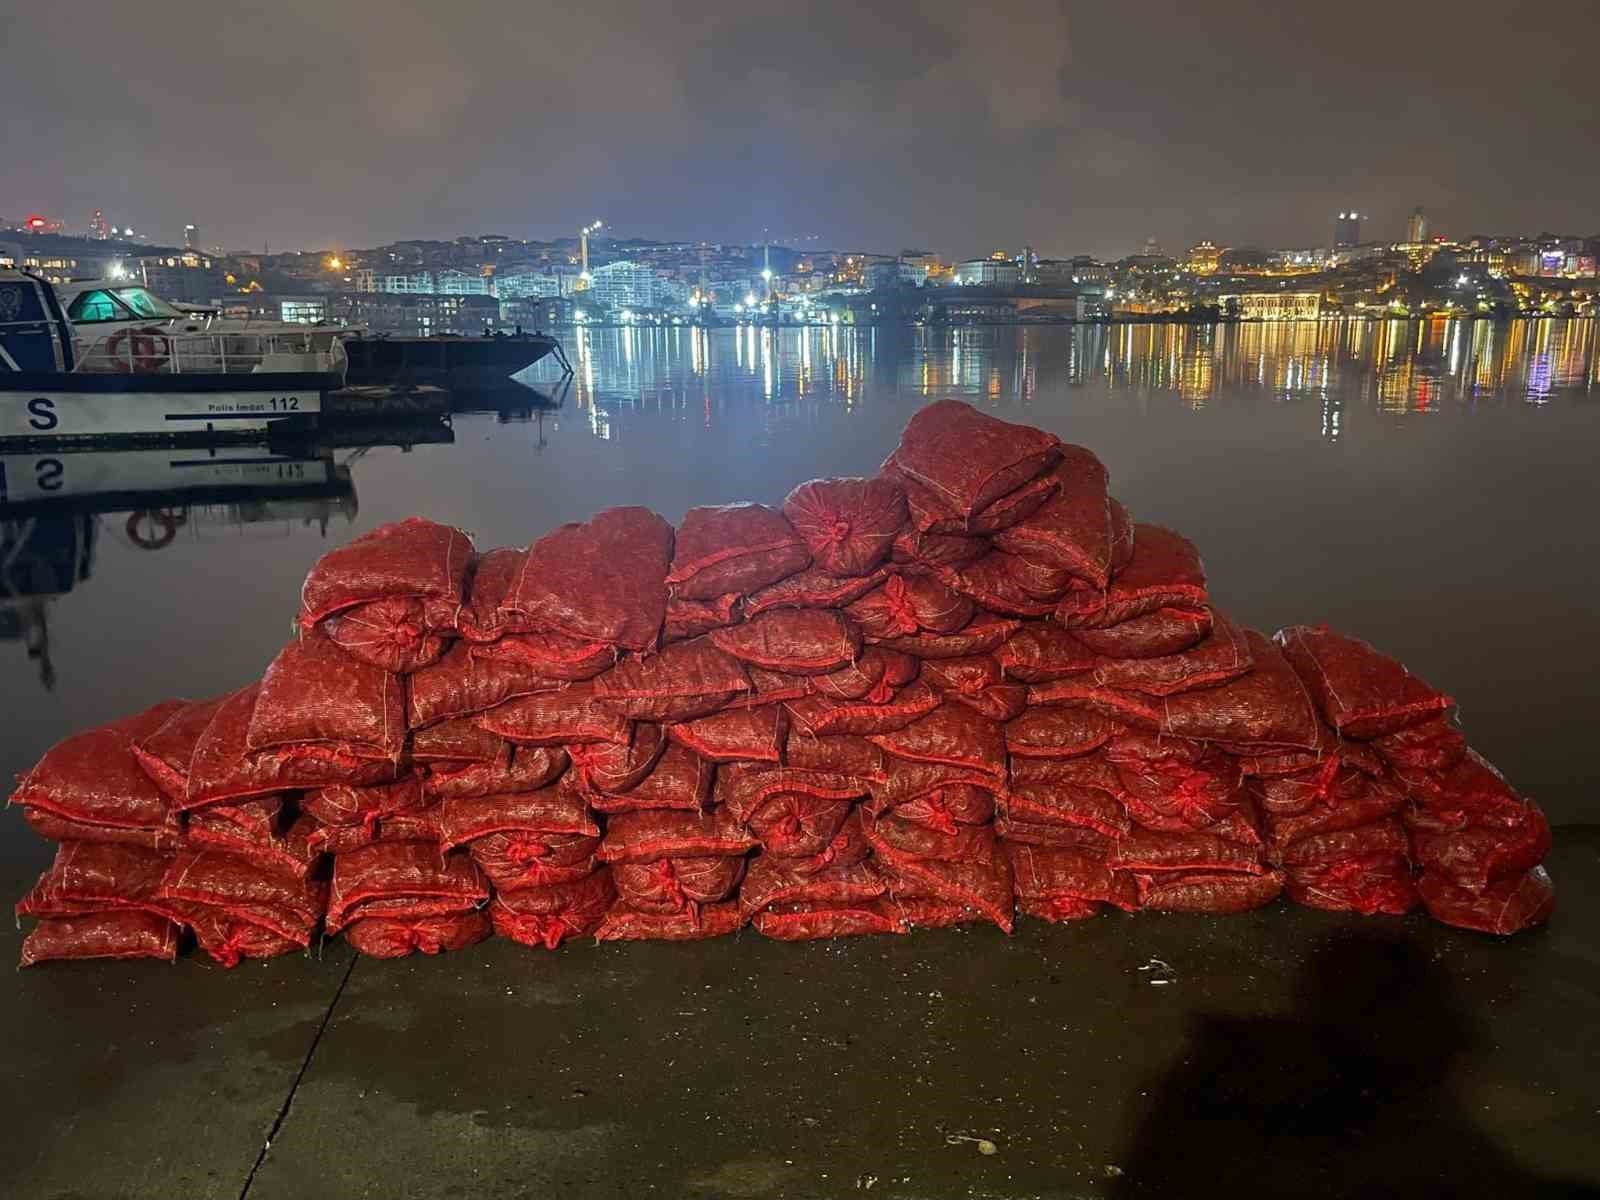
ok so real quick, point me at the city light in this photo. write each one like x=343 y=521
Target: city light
x=335 y=263
x=766 y=273
x=750 y=299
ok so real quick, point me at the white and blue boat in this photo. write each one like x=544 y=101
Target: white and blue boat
x=151 y=383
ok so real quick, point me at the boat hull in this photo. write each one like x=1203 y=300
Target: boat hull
x=48 y=408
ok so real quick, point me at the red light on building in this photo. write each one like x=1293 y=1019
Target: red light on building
x=36 y=222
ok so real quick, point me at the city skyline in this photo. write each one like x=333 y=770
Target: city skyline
x=1074 y=128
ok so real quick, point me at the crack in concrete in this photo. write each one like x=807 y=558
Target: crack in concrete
x=283 y=1113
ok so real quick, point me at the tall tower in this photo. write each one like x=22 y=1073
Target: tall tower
x=97 y=226
x=1347 y=229
x=191 y=237
x=1417 y=226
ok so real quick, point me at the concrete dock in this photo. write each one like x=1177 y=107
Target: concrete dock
x=1283 y=1053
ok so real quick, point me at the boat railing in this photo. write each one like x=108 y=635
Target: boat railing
x=156 y=351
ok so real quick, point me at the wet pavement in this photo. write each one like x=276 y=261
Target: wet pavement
x=1285 y=1052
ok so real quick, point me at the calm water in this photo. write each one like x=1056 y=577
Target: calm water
x=1429 y=487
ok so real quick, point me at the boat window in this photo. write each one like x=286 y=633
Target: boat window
x=146 y=305
x=96 y=306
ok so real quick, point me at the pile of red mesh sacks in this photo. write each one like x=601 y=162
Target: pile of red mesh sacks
x=970 y=686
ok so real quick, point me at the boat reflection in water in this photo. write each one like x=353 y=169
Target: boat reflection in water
x=56 y=508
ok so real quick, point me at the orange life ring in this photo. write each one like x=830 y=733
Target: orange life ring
x=144 y=356
x=164 y=525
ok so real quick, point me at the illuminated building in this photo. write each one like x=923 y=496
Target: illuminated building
x=1347 y=229
x=1202 y=259
x=98 y=229
x=529 y=283
x=1417 y=227
x=1272 y=306
x=417 y=283
x=987 y=271
x=188 y=277
x=191 y=237
x=459 y=283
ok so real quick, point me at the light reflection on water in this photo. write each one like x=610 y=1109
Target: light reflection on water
x=1391 y=366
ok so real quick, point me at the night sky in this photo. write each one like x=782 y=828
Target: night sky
x=957 y=127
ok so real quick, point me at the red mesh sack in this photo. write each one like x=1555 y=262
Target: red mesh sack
x=398 y=937
x=1269 y=707
x=1154 y=635
x=566 y=717
x=1080 y=529
x=315 y=693
x=166 y=752
x=816 y=716
x=742 y=788
x=1176 y=797
x=937 y=549
x=848 y=847
x=515 y=862
x=798 y=826
x=670 y=885
x=1471 y=791
x=734 y=548
x=797 y=641
x=547 y=916
x=618 y=767
x=1383 y=837
x=1214 y=892
x=1365 y=884
x=928 y=514
x=907 y=783
x=680 y=780
x=967 y=458
x=391 y=634
x=1362 y=693
x=455 y=742
x=813 y=588
x=95 y=779
x=739 y=735
x=223 y=769
x=1145 y=851
x=526 y=769
x=983 y=886
x=874 y=676
x=603 y=580
x=1126 y=708
x=905 y=605
x=419 y=825
x=970 y=674
x=1070 y=837
x=691 y=618
x=1269 y=762
x=981 y=635
x=347 y=805
x=463 y=684
x=1046 y=876
x=946 y=808
x=123 y=934
x=993 y=585
x=1039 y=652
x=414 y=557
x=683 y=681
x=643 y=836
x=1508 y=906
x=775 y=880
x=1089 y=804
x=1058 y=731
x=848 y=525
x=806 y=921
x=87 y=877
x=772 y=687
x=484 y=617
x=1002 y=702
x=255 y=830
x=1165 y=572
x=896 y=840
x=1223 y=656
x=1351 y=799
x=241 y=889
x=622 y=923
x=1435 y=745
x=402 y=879
x=549 y=810
x=844 y=753
x=58 y=829
x=951 y=734
x=227 y=940
x=1471 y=854
x=549 y=655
